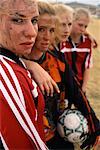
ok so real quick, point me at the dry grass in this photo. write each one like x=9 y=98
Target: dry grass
x=94 y=29
x=93 y=90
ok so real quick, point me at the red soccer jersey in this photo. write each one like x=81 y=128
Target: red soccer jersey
x=21 y=108
x=78 y=56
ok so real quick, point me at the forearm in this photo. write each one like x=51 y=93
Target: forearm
x=43 y=79
x=86 y=76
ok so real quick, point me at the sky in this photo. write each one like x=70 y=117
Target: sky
x=93 y=2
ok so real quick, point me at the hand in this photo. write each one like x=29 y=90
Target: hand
x=84 y=89
x=90 y=141
x=43 y=79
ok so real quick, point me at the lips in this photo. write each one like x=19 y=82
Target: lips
x=45 y=44
x=65 y=35
x=27 y=43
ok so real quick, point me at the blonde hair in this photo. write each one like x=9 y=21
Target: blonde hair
x=7 y=6
x=45 y=8
x=62 y=8
x=79 y=12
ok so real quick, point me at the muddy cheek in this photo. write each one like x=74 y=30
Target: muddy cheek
x=7 y=37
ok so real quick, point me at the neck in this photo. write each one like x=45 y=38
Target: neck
x=35 y=54
x=75 y=37
x=7 y=53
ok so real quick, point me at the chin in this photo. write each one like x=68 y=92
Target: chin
x=45 y=49
x=27 y=52
x=64 y=40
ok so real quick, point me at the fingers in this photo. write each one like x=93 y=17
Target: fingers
x=47 y=87
x=42 y=88
x=89 y=142
x=45 y=82
x=51 y=89
x=55 y=86
x=85 y=146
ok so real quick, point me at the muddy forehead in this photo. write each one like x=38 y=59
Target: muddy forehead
x=18 y=7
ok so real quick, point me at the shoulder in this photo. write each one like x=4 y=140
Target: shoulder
x=12 y=70
x=86 y=39
x=92 y=39
x=57 y=54
x=85 y=43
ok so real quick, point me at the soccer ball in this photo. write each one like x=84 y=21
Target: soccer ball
x=71 y=125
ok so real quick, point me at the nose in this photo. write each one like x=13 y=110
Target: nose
x=31 y=30
x=83 y=29
x=67 y=28
x=47 y=35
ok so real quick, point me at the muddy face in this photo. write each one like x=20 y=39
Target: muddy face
x=18 y=25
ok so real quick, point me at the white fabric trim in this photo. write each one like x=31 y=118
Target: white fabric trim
x=89 y=62
x=23 y=63
x=34 y=91
x=75 y=50
x=17 y=85
x=7 y=58
x=20 y=94
x=15 y=96
x=3 y=142
x=15 y=111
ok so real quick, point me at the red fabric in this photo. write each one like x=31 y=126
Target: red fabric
x=14 y=135
x=81 y=57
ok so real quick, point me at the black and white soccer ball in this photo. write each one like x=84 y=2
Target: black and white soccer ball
x=71 y=125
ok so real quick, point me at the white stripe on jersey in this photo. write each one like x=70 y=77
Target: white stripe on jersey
x=3 y=142
x=17 y=85
x=89 y=62
x=15 y=111
x=63 y=50
x=18 y=102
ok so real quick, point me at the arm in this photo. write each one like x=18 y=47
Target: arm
x=94 y=43
x=43 y=79
x=85 y=79
x=86 y=73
